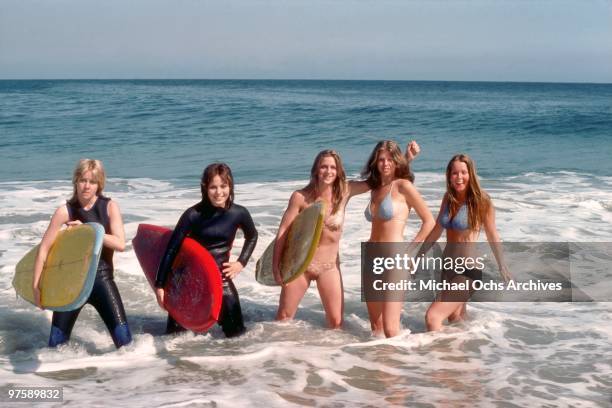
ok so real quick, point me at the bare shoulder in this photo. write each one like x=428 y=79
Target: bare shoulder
x=61 y=214
x=112 y=205
x=298 y=196
x=298 y=199
x=113 y=209
x=406 y=187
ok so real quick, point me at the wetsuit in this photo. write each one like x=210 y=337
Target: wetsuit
x=104 y=295
x=214 y=228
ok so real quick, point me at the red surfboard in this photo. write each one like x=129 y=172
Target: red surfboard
x=194 y=288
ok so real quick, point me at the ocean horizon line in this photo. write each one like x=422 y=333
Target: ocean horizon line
x=138 y=79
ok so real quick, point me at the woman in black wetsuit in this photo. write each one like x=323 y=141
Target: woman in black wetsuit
x=213 y=223
x=88 y=205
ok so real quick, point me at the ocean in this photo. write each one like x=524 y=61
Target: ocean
x=543 y=153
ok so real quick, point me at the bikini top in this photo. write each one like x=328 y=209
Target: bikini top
x=458 y=222
x=335 y=221
x=385 y=210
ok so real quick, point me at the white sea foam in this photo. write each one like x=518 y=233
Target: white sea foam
x=544 y=353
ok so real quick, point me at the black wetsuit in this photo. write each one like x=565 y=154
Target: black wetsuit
x=104 y=295
x=215 y=229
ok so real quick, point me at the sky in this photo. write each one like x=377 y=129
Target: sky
x=479 y=40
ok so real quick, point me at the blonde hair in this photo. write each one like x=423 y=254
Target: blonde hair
x=402 y=167
x=477 y=200
x=97 y=173
x=339 y=187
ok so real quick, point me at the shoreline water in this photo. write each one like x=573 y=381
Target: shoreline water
x=542 y=157
x=514 y=352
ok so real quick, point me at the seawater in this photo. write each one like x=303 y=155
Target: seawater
x=271 y=130
x=542 y=151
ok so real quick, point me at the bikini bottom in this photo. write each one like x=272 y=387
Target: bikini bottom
x=317 y=268
x=466 y=278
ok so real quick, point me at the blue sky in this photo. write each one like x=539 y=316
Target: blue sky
x=492 y=40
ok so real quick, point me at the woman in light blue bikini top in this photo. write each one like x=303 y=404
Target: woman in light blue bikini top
x=458 y=222
x=385 y=210
x=462 y=185
x=386 y=167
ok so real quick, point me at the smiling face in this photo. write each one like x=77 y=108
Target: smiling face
x=86 y=187
x=218 y=191
x=459 y=177
x=327 y=170
x=385 y=164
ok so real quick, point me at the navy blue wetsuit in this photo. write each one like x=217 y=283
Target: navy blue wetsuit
x=215 y=229
x=104 y=295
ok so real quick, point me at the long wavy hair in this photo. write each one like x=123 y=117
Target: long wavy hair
x=402 y=167
x=217 y=169
x=338 y=188
x=477 y=200
x=97 y=173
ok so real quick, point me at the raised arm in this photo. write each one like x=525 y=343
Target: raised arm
x=296 y=203
x=495 y=242
x=356 y=187
x=412 y=150
x=59 y=218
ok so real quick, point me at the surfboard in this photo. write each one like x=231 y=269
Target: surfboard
x=302 y=241
x=194 y=289
x=69 y=272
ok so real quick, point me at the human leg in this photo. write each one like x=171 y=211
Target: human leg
x=291 y=296
x=375 y=314
x=230 y=317
x=391 y=313
x=329 y=285
x=61 y=326
x=172 y=326
x=106 y=299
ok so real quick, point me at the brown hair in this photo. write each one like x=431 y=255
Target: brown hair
x=402 y=167
x=339 y=186
x=477 y=200
x=217 y=169
x=97 y=173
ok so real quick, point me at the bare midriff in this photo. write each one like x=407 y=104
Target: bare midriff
x=460 y=237
x=390 y=230
x=329 y=245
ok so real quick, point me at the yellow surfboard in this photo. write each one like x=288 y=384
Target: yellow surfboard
x=69 y=272
x=302 y=242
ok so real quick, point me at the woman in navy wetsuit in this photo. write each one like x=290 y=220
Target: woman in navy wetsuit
x=213 y=223
x=465 y=209
x=89 y=205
